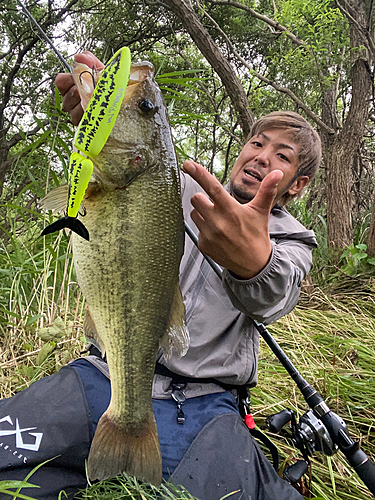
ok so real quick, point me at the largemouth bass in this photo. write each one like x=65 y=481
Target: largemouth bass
x=128 y=272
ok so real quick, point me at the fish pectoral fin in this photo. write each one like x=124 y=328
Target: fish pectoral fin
x=70 y=223
x=56 y=199
x=91 y=333
x=115 y=450
x=177 y=335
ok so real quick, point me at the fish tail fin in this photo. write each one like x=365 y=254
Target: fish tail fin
x=69 y=222
x=115 y=450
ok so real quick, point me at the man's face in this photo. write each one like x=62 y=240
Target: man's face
x=270 y=150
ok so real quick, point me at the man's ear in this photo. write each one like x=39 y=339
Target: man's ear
x=298 y=184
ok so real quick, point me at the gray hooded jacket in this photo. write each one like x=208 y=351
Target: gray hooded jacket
x=224 y=344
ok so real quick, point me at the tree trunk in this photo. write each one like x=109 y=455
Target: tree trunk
x=339 y=150
x=183 y=10
x=371 y=236
x=338 y=158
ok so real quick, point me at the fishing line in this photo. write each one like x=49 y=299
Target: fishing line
x=44 y=34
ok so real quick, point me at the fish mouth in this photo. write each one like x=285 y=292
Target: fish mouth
x=253 y=174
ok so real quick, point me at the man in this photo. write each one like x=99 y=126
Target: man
x=265 y=253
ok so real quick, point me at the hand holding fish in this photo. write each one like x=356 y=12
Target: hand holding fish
x=68 y=89
x=101 y=96
x=235 y=235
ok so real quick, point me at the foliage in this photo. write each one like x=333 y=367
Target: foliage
x=39 y=303
x=126 y=487
x=356 y=260
x=329 y=338
x=7 y=486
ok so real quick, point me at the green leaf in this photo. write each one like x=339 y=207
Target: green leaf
x=182 y=72
x=33 y=319
x=44 y=352
x=16 y=484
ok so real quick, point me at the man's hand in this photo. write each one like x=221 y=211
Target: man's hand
x=65 y=84
x=236 y=236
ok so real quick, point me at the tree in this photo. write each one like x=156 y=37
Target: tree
x=22 y=80
x=330 y=59
x=314 y=57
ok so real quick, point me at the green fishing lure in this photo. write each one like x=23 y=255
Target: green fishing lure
x=104 y=106
x=92 y=134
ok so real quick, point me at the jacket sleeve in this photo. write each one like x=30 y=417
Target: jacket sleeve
x=275 y=291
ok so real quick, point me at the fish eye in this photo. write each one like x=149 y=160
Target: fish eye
x=147 y=107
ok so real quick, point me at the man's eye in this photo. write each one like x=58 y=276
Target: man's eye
x=147 y=107
x=257 y=144
x=283 y=157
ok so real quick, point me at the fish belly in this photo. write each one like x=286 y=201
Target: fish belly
x=128 y=273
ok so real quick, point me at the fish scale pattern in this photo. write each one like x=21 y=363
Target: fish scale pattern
x=128 y=273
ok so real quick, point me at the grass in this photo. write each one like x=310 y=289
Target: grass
x=41 y=309
x=330 y=337
x=129 y=488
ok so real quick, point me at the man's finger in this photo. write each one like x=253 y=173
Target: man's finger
x=89 y=59
x=197 y=219
x=265 y=197
x=201 y=203
x=71 y=99
x=64 y=82
x=76 y=114
x=208 y=182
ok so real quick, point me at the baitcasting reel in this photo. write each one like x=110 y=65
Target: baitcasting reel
x=308 y=435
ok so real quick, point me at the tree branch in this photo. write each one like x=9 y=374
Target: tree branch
x=208 y=95
x=18 y=137
x=277 y=87
x=184 y=11
x=274 y=24
x=345 y=10
x=16 y=67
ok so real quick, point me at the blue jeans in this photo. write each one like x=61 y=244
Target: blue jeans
x=174 y=438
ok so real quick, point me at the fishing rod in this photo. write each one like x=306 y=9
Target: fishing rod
x=310 y=436
x=44 y=35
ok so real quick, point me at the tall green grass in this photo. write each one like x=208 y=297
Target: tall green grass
x=330 y=338
x=40 y=304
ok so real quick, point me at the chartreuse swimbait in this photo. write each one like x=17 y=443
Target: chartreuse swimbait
x=92 y=133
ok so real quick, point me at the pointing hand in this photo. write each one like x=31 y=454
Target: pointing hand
x=235 y=235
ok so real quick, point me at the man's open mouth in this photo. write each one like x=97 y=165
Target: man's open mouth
x=253 y=174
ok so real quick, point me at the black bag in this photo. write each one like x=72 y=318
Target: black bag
x=225 y=458
x=49 y=419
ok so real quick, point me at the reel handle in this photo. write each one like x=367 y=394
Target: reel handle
x=277 y=421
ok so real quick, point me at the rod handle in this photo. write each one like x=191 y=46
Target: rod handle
x=365 y=470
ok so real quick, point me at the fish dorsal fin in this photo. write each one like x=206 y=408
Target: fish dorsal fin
x=177 y=335
x=91 y=333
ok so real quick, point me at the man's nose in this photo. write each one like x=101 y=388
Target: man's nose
x=263 y=157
